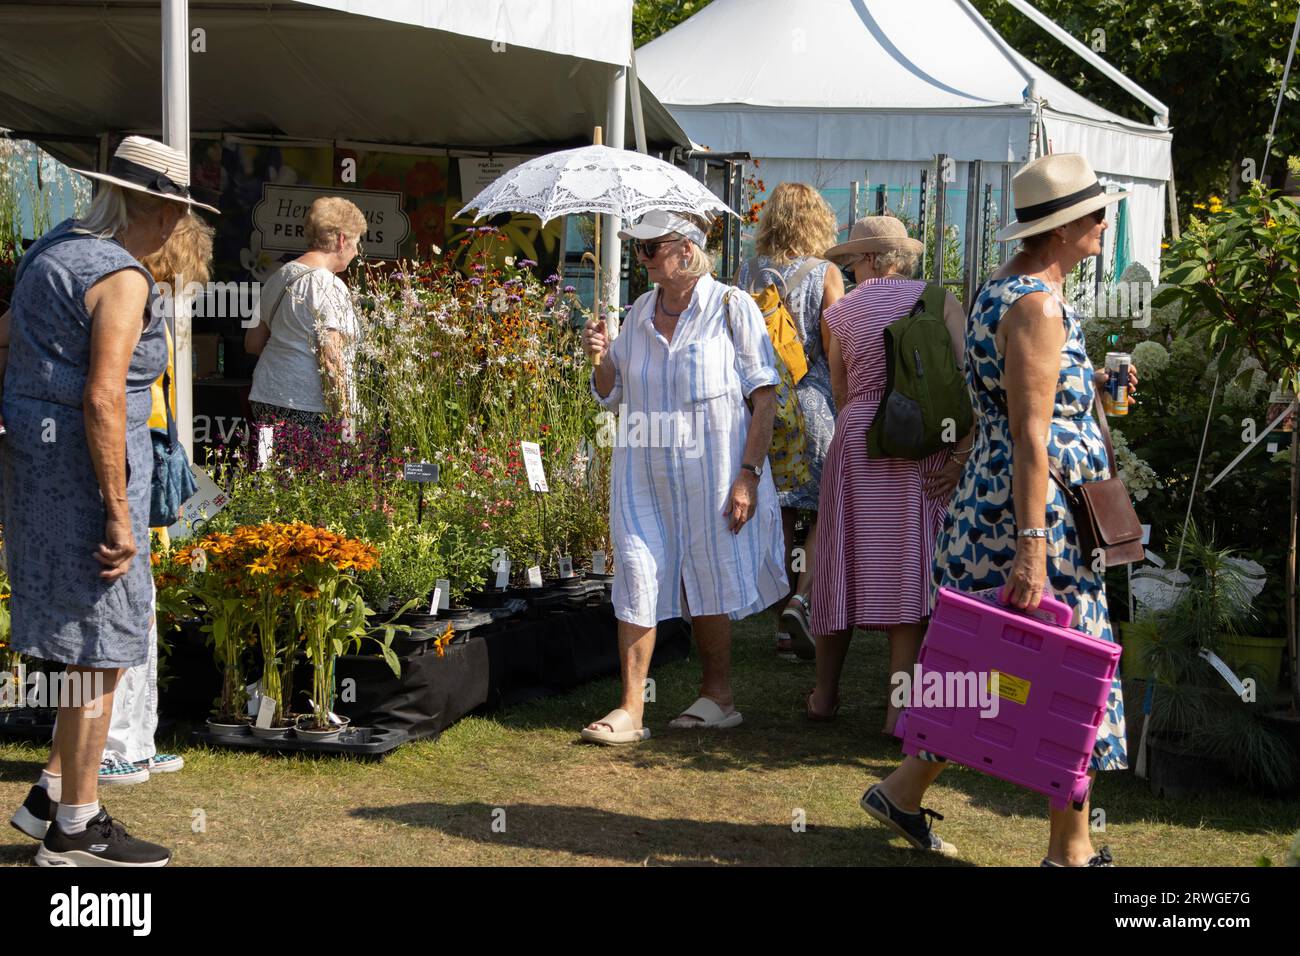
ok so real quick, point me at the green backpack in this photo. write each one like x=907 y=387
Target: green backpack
x=926 y=399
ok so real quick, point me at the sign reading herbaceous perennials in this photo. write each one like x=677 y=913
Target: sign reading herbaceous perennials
x=281 y=217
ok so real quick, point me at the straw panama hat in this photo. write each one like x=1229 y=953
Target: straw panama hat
x=874 y=234
x=1053 y=190
x=149 y=166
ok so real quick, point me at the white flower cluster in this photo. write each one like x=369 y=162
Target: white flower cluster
x=1138 y=476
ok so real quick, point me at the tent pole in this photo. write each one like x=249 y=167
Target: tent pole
x=611 y=246
x=1086 y=53
x=638 y=118
x=176 y=133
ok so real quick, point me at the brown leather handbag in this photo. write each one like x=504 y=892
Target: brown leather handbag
x=1102 y=510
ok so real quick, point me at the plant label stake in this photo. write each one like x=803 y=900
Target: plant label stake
x=503 y=572
x=566 y=566
x=442 y=590
x=420 y=472
x=265 y=712
x=436 y=602
x=598 y=562
x=532 y=453
x=535 y=577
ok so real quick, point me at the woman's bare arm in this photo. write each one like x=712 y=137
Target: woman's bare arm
x=116 y=305
x=1034 y=336
x=335 y=382
x=839 y=374
x=255 y=338
x=832 y=292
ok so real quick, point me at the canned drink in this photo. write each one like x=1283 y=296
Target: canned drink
x=1115 y=398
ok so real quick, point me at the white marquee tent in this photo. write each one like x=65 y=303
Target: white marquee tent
x=831 y=91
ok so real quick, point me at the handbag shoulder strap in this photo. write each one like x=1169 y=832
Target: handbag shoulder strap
x=266 y=319
x=1098 y=411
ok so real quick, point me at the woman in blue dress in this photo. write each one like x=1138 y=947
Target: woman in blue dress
x=80 y=349
x=1033 y=386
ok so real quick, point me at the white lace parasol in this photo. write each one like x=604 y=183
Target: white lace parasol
x=599 y=179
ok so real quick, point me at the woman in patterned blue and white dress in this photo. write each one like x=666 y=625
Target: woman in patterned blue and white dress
x=1033 y=385
x=693 y=514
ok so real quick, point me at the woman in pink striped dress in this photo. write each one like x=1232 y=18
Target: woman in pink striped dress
x=879 y=517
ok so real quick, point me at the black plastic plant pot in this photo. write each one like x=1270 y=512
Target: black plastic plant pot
x=458 y=613
x=487 y=599
x=418 y=621
x=225 y=728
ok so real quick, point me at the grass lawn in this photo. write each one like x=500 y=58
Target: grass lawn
x=679 y=798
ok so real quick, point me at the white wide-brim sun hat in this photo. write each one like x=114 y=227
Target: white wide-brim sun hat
x=1054 y=190
x=148 y=166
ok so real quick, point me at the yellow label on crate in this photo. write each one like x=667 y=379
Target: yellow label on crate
x=1009 y=687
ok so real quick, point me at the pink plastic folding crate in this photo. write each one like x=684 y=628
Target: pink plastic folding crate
x=1053 y=683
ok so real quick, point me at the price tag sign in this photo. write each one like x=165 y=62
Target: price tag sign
x=442 y=590
x=436 y=602
x=204 y=503
x=598 y=562
x=566 y=566
x=503 y=573
x=534 y=577
x=265 y=712
x=265 y=445
x=420 y=471
x=532 y=453
x=1146 y=534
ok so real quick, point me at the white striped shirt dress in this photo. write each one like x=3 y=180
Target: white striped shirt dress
x=670 y=485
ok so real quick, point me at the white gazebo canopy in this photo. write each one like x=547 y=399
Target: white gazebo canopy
x=824 y=91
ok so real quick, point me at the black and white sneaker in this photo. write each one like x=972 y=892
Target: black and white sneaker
x=35 y=815
x=912 y=827
x=104 y=842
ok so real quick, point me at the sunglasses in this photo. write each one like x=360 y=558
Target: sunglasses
x=648 y=249
x=1098 y=216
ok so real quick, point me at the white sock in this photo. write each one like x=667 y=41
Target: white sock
x=52 y=784
x=73 y=817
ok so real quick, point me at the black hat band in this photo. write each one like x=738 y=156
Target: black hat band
x=145 y=176
x=1027 y=214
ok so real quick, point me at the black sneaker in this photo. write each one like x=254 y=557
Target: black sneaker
x=35 y=815
x=912 y=827
x=104 y=842
x=1100 y=858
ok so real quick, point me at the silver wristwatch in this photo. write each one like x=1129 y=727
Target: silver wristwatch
x=756 y=469
x=1032 y=533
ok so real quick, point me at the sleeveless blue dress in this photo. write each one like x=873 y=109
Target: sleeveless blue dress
x=977 y=545
x=50 y=500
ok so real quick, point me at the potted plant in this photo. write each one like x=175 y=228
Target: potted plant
x=217 y=586
x=1198 y=722
x=332 y=614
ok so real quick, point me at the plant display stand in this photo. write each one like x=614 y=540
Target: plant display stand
x=27 y=723
x=357 y=742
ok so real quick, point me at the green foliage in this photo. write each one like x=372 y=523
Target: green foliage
x=1217 y=64
x=651 y=18
x=1236 y=276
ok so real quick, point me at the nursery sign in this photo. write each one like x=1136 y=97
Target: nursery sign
x=421 y=471
x=533 y=465
x=281 y=218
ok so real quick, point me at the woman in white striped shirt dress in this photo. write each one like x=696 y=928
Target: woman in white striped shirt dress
x=694 y=520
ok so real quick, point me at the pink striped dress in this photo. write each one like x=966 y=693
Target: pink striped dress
x=876 y=529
